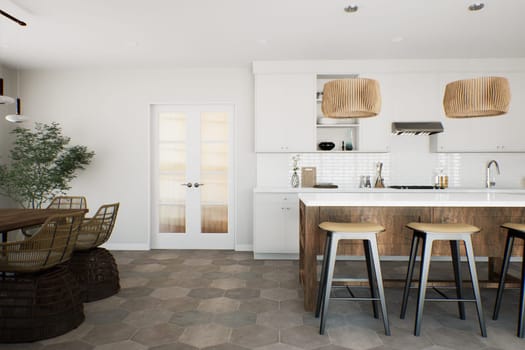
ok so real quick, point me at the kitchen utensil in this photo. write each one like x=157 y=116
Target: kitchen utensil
x=326 y=185
x=379 y=179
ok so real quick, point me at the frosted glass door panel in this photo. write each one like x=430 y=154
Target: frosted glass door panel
x=214 y=172
x=172 y=218
x=173 y=126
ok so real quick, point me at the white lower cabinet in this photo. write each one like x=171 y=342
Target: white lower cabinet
x=276 y=225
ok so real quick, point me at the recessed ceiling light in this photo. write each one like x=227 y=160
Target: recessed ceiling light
x=476 y=6
x=397 y=39
x=351 y=8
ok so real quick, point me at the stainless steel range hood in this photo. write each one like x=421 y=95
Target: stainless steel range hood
x=416 y=128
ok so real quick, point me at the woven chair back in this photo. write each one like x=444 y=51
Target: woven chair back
x=68 y=202
x=51 y=245
x=97 y=230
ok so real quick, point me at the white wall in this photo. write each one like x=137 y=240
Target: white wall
x=10 y=89
x=108 y=111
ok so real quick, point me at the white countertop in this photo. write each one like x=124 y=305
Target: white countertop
x=383 y=190
x=417 y=198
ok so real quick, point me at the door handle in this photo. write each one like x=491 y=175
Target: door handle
x=196 y=184
x=187 y=185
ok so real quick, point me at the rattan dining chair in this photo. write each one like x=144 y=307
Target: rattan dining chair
x=95 y=268
x=59 y=202
x=68 y=202
x=40 y=298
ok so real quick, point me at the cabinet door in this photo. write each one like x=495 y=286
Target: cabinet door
x=285 y=113
x=484 y=134
x=276 y=223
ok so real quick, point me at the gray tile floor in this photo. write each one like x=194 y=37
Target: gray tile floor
x=224 y=300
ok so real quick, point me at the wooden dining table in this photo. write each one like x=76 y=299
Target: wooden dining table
x=17 y=218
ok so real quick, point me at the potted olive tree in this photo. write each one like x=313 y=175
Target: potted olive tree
x=41 y=165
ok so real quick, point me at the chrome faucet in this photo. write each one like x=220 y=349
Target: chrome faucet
x=490 y=181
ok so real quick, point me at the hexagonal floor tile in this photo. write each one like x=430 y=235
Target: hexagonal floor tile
x=304 y=337
x=280 y=319
x=188 y=318
x=74 y=344
x=235 y=319
x=149 y=268
x=157 y=335
x=204 y=335
x=359 y=338
x=254 y=336
x=206 y=293
x=149 y=317
x=166 y=293
x=109 y=334
x=217 y=305
x=279 y=294
x=122 y=345
x=258 y=305
x=242 y=293
x=228 y=283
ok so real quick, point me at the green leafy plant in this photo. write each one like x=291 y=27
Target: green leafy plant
x=41 y=165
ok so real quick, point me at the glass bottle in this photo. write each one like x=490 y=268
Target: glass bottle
x=294 y=181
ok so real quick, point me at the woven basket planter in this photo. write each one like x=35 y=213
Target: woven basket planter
x=479 y=97
x=96 y=272
x=351 y=98
x=39 y=306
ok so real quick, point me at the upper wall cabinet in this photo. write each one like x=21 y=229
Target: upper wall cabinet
x=503 y=133
x=285 y=112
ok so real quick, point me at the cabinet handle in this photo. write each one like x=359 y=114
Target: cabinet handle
x=196 y=184
x=187 y=185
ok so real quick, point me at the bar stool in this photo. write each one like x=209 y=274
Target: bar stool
x=355 y=231
x=454 y=233
x=514 y=231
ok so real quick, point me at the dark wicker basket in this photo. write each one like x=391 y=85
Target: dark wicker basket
x=97 y=273
x=39 y=305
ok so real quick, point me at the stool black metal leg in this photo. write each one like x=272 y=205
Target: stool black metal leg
x=426 y=253
x=322 y=281
x=328 y=284
x=371 y=276
x=521 y=317
x=410 y=274
x=475 y=285
x=504 y=269
x=377 y=267
x=456 y=262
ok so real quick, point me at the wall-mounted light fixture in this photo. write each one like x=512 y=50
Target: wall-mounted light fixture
x=4 y=99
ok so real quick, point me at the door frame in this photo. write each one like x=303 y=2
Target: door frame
x=153 y=173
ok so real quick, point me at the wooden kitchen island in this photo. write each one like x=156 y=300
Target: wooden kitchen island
x=393 y=210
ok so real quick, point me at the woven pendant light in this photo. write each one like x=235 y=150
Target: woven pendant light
x=351 y=98
x=479 y=97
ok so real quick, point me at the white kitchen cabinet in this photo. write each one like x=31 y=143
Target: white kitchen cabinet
x=484 y=134
x=285 y=112
x=276 y=225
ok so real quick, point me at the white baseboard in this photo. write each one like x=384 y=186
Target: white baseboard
x=243 y=247
x=126 y=246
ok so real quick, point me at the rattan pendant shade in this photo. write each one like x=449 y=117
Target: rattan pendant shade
x=479 y=97
x=351 y=98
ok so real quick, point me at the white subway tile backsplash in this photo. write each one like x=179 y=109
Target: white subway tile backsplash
x=414 y=166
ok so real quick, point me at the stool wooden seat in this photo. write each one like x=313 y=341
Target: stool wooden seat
x=427 y=233
x=366 y=232
x=515 y=230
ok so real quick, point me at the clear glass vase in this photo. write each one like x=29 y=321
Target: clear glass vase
x=294 y=181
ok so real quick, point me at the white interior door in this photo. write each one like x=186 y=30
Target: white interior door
x=192 y=177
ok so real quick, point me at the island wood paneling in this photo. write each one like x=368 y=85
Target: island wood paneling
x=395 y=240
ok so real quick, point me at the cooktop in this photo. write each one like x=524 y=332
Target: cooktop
x=412 y=187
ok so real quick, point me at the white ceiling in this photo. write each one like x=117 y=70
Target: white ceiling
x=227 y=33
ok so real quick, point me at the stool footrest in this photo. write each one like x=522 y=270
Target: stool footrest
x=354 y=299
x=450 y=299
